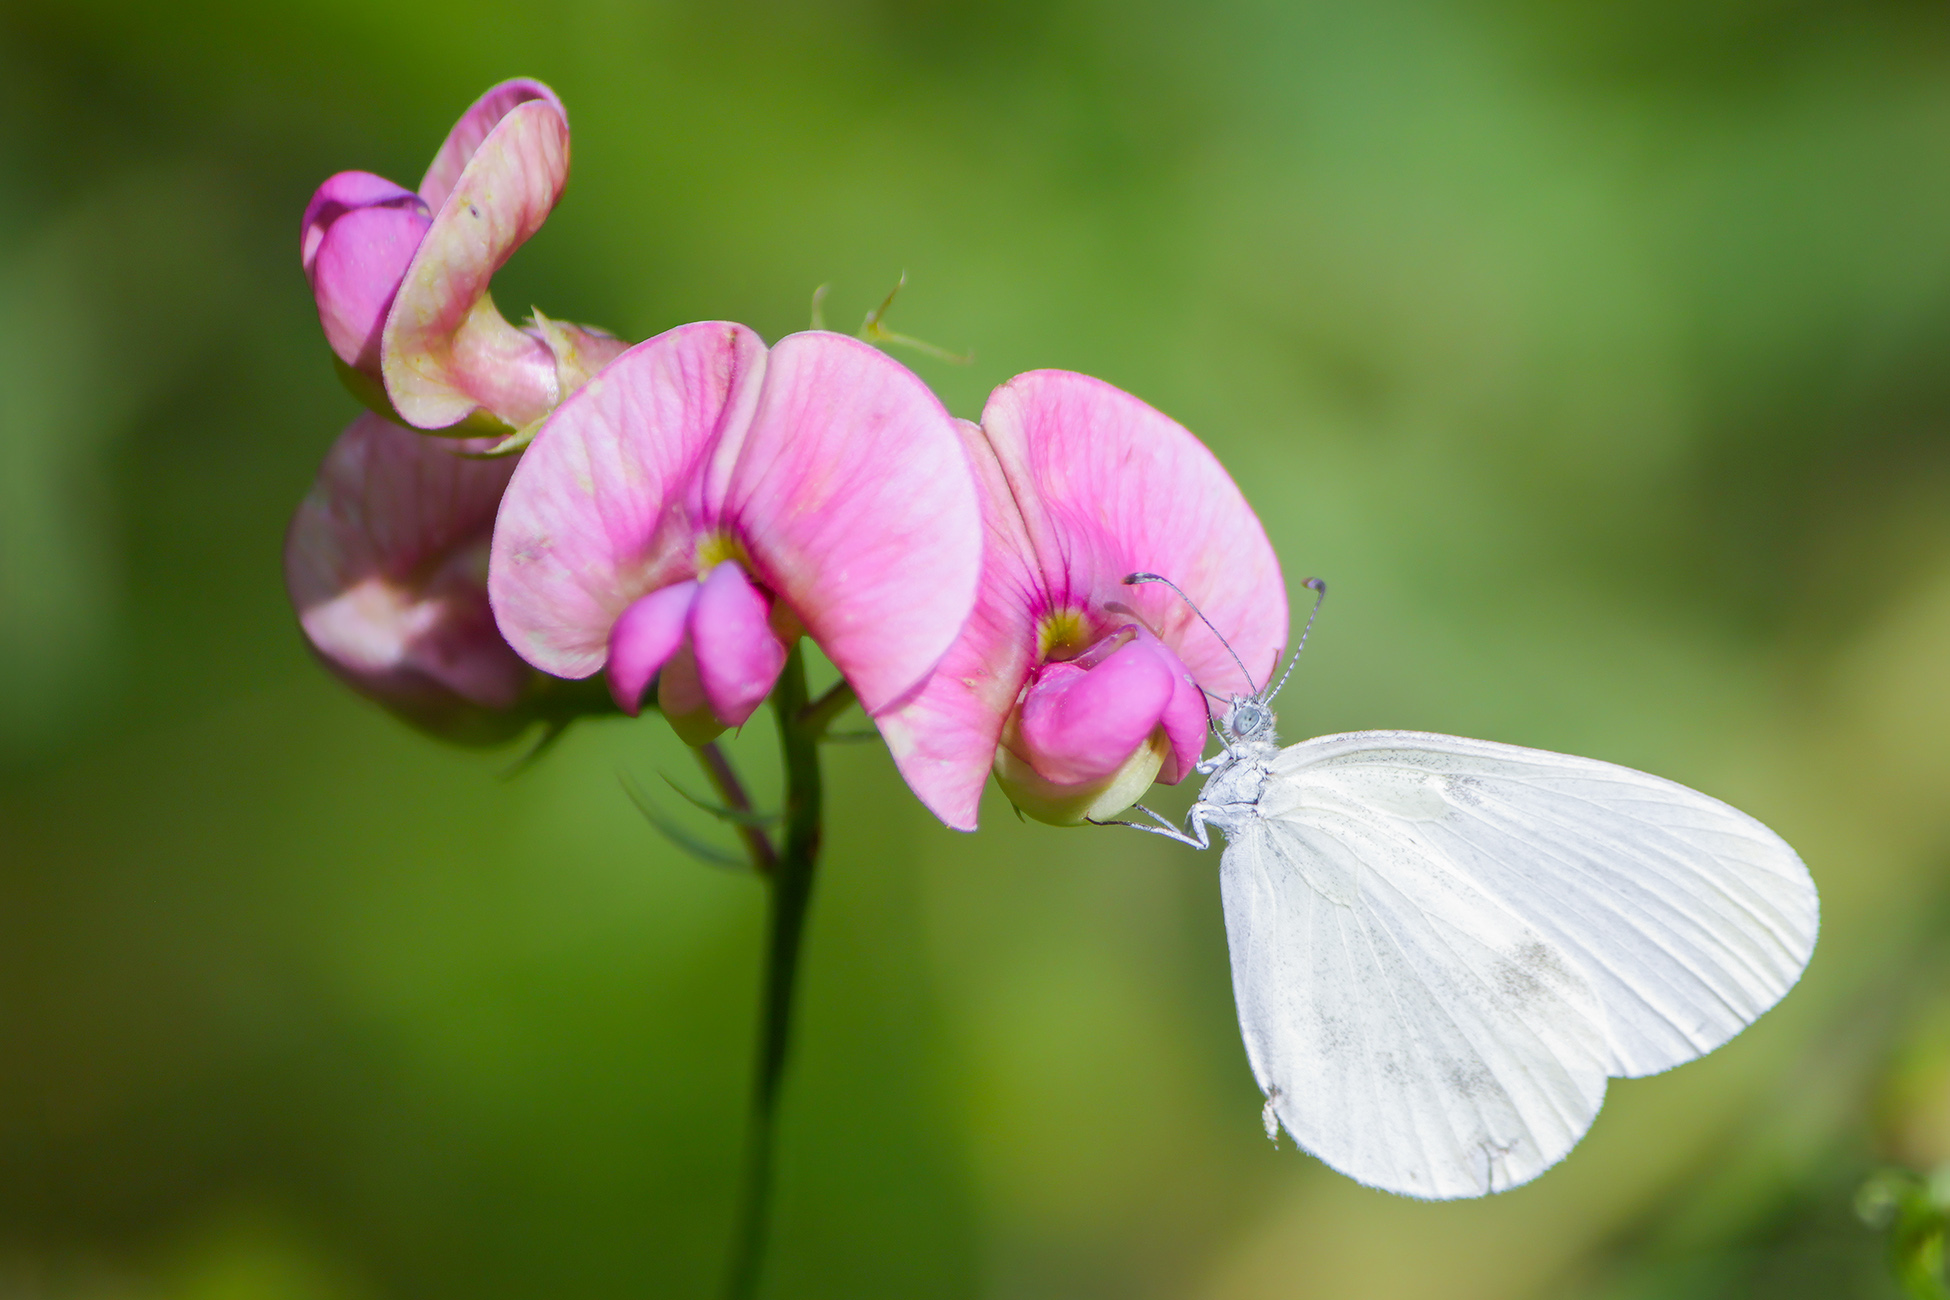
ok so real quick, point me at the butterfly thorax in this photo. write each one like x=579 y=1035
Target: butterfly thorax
x=1238 y=774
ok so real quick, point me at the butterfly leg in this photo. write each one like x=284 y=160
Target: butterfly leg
x=1194 y=833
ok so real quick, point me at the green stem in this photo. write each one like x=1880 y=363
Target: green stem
x=724 y=779
x=821 y=713
x=791 y=880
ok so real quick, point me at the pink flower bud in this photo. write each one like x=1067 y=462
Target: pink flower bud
x=402 y=279
x=386 y=562
x=360 y=231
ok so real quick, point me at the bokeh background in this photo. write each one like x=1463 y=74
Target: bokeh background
x=1598 y=354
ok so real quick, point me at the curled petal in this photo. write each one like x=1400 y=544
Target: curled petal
x=1108 y=486
x=738 y=655
x=384 y=562
x=944 y=739
x=446 y=351
x=853 y=495
x=1185 y=719
x=603 y=506
x=646 y=635
x=360 y=232
x=473 y=127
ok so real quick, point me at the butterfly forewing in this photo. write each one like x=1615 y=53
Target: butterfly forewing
x=1688 y=917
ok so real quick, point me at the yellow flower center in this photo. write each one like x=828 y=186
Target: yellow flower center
x=717 y=546
x=1062 y=634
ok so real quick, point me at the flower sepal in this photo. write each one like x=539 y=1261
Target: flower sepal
x=549 y=702
x=1075 y=803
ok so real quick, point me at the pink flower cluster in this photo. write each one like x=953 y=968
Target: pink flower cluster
x=675 y=514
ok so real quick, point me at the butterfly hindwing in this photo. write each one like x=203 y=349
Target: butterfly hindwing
x=1420 y=1037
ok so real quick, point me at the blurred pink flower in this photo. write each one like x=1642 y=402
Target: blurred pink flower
x=386 y=561
x=703 y=501
x=1077 y=689
x=401 y=279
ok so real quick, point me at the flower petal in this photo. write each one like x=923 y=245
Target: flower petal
x=1079 y=725
x=384 y=562
x=360 y=232
x=853 y=495
x=604 y=505
x=738 y=656
x=646 y=635
x=447 y=351
x=1108 y=486
x=1186 y=718
x=473 y=127
x=943 y=740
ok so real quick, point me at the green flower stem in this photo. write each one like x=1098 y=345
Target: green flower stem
x=821 y=713
x=802 y=722
x=724 y=779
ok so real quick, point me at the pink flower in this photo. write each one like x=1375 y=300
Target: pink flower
x=702 y=501
x=402 y=278
x=1077 y=689
x=386 y=562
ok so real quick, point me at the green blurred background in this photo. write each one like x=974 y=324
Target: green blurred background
x=1598 y=354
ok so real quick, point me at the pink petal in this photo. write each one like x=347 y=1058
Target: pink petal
x=645 y=637
x=343 y=193
x=384 y=562
x=604 y=505
x=943 y=740
x=446 y=350
x=853 y=496
x=474 y=125
x=1185 y=718
x=359 y=233
x=738 y=655
x=1109 y=486
x=1079 y=725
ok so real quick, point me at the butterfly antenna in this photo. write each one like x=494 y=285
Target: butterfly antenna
x=1139 y=579
x=1319 y=590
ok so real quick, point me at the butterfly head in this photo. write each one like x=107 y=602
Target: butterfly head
x=1248 y=719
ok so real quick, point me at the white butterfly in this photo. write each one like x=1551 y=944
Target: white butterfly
x=1441 y=948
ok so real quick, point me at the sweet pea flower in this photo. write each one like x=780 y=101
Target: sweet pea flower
x=401 y=278
x=386 y=562
x=702 y=501
x=1077 y=689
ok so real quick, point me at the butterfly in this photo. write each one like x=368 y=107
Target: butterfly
x=1443 y=948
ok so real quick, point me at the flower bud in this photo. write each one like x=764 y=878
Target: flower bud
x=360 y=232
x=386 y=563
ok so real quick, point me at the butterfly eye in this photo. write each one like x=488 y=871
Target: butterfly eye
x=1249 y=718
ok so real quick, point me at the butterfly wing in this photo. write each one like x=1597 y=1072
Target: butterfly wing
x=1554 y=916
x=1689 y=917
x=1409 y=1031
